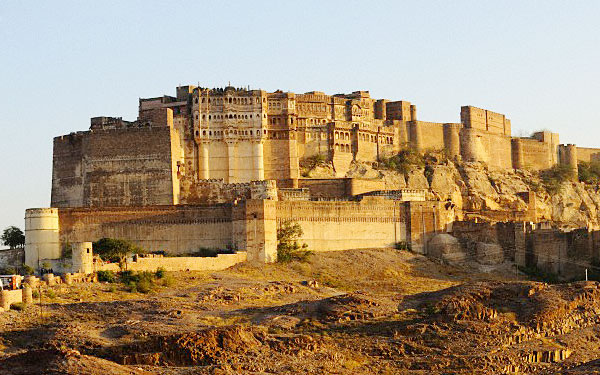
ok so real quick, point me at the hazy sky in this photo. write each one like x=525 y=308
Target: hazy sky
x=63 y=62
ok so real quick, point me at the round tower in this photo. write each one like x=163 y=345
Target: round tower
x=413 y=112
x=82 y=257
x=416 y=136
x=518 y=160
x=571 y=160
x=41 y=235
x=452 y=140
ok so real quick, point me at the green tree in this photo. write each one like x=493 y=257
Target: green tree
x=114 y=249
x=13 y=237
x=288 y=248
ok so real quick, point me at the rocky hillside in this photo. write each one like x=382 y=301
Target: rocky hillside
x=473 y=187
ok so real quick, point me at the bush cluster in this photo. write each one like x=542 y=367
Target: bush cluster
x=24 y=270
x=402 y=245
x=540 y=275
x=408 y=159
x=553 y=178
x=106 y=276
x=309 y=163
x=589 y=172
x=18 y=306
x=114 y=249
x=137 y=282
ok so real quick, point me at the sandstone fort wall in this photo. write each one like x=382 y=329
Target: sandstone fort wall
x=588 y=154
x=116 y=167
x=12 y=258
x=220 y=262
x=174 y=229
x=432 y=135
x=346 y=225
x=492 y=149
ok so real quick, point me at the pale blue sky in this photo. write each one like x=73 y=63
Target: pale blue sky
x=63 y=62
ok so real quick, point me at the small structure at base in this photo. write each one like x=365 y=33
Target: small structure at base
x=447 y=248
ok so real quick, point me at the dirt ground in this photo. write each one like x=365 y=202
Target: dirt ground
x=347 y=312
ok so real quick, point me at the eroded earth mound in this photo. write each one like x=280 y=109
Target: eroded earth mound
x=404 y=315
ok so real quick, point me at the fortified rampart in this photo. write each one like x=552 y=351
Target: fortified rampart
x=236 y=135
x=246 y=225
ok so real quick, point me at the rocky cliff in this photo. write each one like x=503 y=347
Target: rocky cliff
x=477 y=190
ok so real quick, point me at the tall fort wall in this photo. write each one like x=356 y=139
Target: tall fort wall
x=588 y=154
x=373 y=222
x=114 y=167
x=173 y=229
x=249 y=225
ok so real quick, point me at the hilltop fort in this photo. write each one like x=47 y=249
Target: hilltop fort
x=222 y=168
x=237 y=136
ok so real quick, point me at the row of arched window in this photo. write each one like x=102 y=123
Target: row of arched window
x=221 y=132
x=373 y=138
x=231 y=116
x=342 y=147
x=218 y=101
x=342 y=135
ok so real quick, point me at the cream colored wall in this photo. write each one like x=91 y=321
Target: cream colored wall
x=335 y=235
x=536 y=155
x=493 y=149
x=220 y=262
x=174 y=229
x=588 y=154
x=280 y=159
x=432 y=135
x=346 y=225
x=172 y=238
x=218 y=160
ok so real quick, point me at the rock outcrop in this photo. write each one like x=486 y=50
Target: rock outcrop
x=473 y=188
